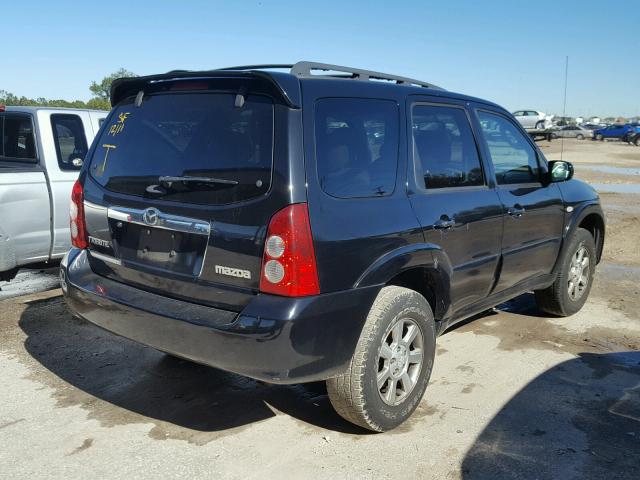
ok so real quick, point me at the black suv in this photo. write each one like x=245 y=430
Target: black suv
x=319 y=223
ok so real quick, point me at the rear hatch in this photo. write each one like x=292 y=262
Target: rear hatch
x=181 y=186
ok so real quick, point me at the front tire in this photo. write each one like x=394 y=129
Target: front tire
x=570 y=290
x=392 y=363
x=600 y=138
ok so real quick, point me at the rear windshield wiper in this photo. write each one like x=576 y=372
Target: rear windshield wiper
x=168 y=180
x=166 y=183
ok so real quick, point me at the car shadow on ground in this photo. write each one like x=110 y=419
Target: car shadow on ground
x=580 y=419
x=155 y=386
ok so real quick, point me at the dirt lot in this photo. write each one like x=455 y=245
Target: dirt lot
x=512 y=395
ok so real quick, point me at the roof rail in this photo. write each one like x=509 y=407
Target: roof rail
x=304 y=69
x=259 y=67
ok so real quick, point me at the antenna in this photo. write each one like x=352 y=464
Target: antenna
x=564 y=105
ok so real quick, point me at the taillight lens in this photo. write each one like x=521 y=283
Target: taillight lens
x=76 y=217
x=289 y=262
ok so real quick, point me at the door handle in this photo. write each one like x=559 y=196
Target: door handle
x=516 y=211
x=445 y=223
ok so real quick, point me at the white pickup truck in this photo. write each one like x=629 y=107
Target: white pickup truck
x=41 y=152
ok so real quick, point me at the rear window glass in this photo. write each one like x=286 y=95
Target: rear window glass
x=188 y=135
x=70 y=140
x=18 y=140
x=356 y=146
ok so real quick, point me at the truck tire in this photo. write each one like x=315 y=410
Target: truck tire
x=570 y=290
x=392 y=363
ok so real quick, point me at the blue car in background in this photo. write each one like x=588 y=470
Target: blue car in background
x=615 y=131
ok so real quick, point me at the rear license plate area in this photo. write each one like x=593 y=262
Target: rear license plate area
x=158 y=248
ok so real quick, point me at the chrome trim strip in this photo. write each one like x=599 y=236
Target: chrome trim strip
x=94 y=206
x=105 y=258
x=162 y=220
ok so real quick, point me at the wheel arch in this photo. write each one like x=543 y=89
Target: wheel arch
x=594 y=223
x=424 y=268
x=590 y=217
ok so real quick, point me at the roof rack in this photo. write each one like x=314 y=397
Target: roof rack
x=260 y=67
x=304 y=69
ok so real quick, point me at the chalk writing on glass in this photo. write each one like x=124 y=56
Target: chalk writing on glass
x=118 y=127
x=99 y=171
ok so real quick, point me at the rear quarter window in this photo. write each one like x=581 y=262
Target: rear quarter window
x=356 y=146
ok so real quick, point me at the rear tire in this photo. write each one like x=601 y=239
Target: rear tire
x=600 y=138
x=570 y=290
x=383 y=385
x=540 y=126
x=580 y=136
x=636 y=141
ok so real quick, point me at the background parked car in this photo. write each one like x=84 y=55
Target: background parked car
x=573 y=131
x=629 y=136
x=533 y=119
x=591 y=126
x=613 y=132
x=41 y=153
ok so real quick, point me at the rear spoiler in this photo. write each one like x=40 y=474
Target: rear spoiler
x=284 y=85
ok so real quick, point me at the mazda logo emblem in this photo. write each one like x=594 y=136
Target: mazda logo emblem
x=150 y=216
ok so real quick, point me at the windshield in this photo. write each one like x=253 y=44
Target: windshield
x=188 y=135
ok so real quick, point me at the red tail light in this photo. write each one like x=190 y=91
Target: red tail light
x=76 y=217
x=289 y=262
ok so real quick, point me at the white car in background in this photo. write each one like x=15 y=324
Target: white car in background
x=533 y=119
x=41 y=152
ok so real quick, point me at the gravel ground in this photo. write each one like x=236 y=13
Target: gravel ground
x=513 y=394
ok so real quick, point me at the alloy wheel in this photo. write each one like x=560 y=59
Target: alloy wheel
x=578 y=274
x=399 y=361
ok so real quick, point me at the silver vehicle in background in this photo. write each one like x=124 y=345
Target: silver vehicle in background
x=573 y=131
x=41 y=151
x=533 y=119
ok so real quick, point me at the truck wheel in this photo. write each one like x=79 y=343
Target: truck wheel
x=571 y=288
x=392 y=363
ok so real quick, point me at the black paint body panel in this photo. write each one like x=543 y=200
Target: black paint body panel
x=360 y=244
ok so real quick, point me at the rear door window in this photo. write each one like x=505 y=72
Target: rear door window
x=444 y=150
x=356 y=146
x=70 y=140
x=514 y=159
x=188 y=135
x=18 y=138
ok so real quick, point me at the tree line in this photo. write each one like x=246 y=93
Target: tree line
x=99 y=101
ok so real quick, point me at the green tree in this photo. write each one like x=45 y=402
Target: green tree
x=102 y=89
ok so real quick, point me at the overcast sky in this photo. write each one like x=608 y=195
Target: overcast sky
x=510 y=52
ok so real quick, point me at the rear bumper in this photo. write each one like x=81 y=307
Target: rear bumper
x=274 y=339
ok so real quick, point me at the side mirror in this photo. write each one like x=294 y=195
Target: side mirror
x=560 y=171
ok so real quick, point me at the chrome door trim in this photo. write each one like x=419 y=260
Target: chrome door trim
x=165 y=221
